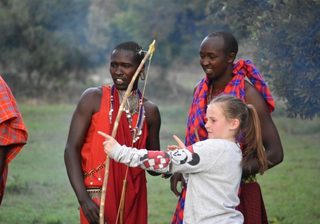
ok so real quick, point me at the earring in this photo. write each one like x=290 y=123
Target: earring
x=142 y=76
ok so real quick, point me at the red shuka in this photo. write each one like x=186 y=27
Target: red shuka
x=93 y=159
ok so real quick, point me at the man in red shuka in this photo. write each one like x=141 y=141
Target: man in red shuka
x=138 y=127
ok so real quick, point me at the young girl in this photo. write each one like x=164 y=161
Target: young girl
x=212 y=167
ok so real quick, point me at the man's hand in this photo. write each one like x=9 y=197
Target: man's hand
x=174 y=180
x=90 y=210
x=177 y=177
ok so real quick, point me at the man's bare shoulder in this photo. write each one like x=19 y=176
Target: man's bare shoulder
x=150 y=106
x=91 y=98
x=92 y=92
x=254 y=97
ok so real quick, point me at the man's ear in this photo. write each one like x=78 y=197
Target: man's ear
x=142 y=75
x=234 y=124
x=231 y=57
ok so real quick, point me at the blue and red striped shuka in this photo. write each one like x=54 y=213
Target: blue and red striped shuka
x=196 y=131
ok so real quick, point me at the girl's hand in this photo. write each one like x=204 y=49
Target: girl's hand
x=172 y=147
x=109 y=142
x=180 y=143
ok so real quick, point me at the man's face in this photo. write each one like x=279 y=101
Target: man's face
x=213 y=58
x=122 y=68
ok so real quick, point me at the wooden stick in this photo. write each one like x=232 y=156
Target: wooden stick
x=123 y=197
x=115 y=128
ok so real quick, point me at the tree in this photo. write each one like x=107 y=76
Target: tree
x=47 y=44
x=176 y=25
x=44 y=44
x=288 y=41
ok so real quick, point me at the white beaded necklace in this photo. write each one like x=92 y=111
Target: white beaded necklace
x=133 y=105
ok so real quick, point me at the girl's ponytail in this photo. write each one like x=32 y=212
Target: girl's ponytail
x=253 y=147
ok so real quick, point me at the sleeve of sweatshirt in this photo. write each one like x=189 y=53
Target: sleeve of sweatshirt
x=158 y=161
x=195 y=158
x=198 y=157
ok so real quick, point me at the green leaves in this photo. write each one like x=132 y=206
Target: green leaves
x=288 y=42
x=43 y=41
x=50 y=43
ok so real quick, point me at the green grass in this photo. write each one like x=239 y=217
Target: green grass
x=38 y=190
x=292 y=189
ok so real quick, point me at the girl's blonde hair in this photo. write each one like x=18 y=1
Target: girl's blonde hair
x=249 y=132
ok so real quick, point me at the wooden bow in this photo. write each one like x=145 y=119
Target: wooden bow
x=116 y=124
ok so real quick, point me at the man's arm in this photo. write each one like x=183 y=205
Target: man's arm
x=3 y=156
x=154 y=122
x=270 y=136
x=87 y=106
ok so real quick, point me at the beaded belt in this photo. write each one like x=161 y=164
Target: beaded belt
x=249 y=179
x=94 y=192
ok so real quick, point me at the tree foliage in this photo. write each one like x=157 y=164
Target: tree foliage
x=47 y=44
x=43 y=44
x=176 y=25
x=288 y=40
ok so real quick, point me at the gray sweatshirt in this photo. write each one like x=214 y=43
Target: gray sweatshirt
x=212 y=169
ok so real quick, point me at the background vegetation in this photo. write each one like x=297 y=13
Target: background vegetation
x=52 y=50
x=49 y=47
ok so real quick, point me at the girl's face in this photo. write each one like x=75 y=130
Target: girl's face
x=217 y=125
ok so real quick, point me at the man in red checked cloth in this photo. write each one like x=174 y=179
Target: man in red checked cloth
x=13 y=135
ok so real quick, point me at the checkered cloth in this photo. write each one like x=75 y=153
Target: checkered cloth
x=12 y=129
x=196 y=125
x=156 y=160
x=198 y=108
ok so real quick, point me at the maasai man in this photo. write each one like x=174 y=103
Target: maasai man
x=241 y=79
x=138 y=127
x=13 y=135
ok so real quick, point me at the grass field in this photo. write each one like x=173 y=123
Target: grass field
x=38 y=190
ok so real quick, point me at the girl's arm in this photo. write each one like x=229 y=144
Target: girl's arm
x=158 y=161
x=176 y=160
